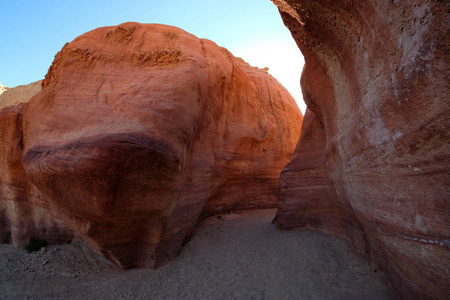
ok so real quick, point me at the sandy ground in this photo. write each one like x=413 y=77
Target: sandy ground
x=233 y=256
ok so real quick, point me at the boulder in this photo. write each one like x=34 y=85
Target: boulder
x=142 y=130
x=373 y=161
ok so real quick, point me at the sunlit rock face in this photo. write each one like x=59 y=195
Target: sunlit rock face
x=2 y=88
x=373 y=160
x=19 y=94
x=141 y=130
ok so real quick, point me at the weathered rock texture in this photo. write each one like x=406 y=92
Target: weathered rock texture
x=142 y=130
x=372 y=164
x=24 y=211
x=19 y=94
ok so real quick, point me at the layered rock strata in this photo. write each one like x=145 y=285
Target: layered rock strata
x=373 y=160
x=141 y=130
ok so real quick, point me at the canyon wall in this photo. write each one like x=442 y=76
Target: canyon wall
x=142 y=130
x=372 y=164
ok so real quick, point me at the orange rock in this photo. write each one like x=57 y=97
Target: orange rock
x=373 y=160
x=142 y=129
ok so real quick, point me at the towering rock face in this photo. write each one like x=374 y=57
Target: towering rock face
x=142 y=130
x=373 y=160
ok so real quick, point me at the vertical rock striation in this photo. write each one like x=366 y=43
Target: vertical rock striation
x=24 y=211
x=372 y=164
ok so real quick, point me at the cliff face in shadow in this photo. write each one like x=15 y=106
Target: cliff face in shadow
x=24 y=211
x=372 y=164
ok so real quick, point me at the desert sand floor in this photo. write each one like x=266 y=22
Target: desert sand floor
x=232 y=256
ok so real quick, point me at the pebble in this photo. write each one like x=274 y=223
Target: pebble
x=45 y=262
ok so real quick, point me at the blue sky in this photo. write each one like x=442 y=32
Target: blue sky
x=32 y=32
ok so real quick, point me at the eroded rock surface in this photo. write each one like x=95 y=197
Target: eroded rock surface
x=19 y=94
x=141 y=130
x=373 y=160
x=24 y=211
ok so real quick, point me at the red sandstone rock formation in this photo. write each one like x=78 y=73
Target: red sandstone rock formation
x=373 y=160
x=19 y=94
x=24 y=211
x=142 y=130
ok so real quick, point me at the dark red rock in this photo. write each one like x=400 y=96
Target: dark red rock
x=373 y=163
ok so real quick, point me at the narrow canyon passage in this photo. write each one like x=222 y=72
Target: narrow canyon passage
x=143 y=130
x=231 y=256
